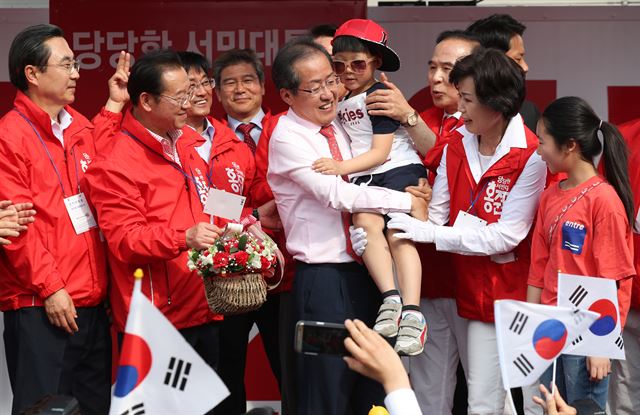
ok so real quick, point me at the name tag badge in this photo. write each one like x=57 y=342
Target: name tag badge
x=224 y=204
x=467 y=220
x=79 y=213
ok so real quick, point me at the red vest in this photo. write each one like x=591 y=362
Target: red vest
x=480 y=280
x=437 y=278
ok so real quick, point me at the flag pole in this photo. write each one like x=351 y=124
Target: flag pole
x=553 y=378
x=137 y=277
x=511 y=404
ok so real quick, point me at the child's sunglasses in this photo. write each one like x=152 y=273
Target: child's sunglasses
x=357 y=66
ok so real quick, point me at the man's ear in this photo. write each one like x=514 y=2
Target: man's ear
x=286 y=95
x=31 y=74
x=145 y=101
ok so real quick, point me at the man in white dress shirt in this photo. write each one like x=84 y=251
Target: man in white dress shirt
x=329 y=284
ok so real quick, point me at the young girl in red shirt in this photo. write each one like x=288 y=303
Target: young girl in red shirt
x=582 y=227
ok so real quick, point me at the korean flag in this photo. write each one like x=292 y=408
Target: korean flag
x=530 y=336
x=604 y=337
x=159 y=372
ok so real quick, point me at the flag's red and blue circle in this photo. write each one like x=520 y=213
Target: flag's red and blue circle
x=608 y=317
x=549 y=338
x=135 y=363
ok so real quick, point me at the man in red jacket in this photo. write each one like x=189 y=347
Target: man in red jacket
x=239 y=86
x=54 y=277
x=148 y=202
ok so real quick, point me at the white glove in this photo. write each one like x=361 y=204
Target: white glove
x=358 y=239
x=414 y=229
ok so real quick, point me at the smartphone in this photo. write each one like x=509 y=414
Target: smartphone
x=318 y=337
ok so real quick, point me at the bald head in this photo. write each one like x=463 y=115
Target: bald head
x=445 y=55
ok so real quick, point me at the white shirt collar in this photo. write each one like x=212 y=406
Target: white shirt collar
x=455 y=115
x=209 y=130
x=514 y=135
x=65 y=119
x=58 y=127
x=173 y=134
x=256 y=120
x=306 y=123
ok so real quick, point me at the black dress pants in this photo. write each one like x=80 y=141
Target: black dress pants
x=333 y=293
x=43 y=359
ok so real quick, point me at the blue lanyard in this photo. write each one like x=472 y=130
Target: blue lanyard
x=172 y=164
x=473 y=202
x=53 y=164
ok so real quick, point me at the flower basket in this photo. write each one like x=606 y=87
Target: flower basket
x=235 y=294
x=234 y=268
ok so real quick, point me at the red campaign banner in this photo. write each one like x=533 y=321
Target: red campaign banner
x=624 y=104
x=97 y=30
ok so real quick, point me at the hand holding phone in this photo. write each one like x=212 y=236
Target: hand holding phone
x=318 y=337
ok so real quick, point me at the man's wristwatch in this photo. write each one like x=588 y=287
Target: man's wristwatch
x=412 y=120
x=256 y=214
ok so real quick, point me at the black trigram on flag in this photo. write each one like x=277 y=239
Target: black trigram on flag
x=135 y=410
x=577 y=340
x=177 y=373
x=518 y=322
x=578 y=316
x=523 y=365
x=620 y=343
x=578 y=295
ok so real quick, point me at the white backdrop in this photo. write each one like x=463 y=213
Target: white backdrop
x=585 y=49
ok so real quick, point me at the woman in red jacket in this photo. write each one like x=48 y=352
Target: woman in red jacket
x=484 y=201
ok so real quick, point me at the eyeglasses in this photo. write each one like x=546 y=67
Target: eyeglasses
x=206 y=84
x=329 y=84
x=183 y=100
x=69 y=66
x=357 y=66
x=232 y=84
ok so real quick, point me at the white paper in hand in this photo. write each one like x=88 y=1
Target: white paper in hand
x=224 y=204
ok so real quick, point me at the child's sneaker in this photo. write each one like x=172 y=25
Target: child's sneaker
x=412 y=334
x=388 y=319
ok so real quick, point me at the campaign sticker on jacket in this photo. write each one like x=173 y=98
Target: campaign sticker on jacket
x=84 y=162
x=235 y=175
x=573 y=234
x=496 y=194
x=201 y=186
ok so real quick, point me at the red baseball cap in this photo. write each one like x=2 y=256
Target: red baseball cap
x=375 y=37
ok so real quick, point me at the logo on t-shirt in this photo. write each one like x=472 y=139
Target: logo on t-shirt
x=350 y=116
x=573 y=234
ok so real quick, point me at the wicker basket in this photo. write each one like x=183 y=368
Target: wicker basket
x=235 y=294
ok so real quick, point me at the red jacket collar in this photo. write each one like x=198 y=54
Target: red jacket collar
x=42 y=121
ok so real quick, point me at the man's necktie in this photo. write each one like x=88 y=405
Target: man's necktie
x=327 y=132
x=245 y=129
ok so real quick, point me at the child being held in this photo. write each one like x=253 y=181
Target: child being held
x=383 y=155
